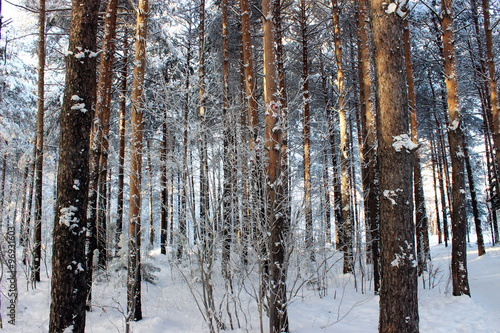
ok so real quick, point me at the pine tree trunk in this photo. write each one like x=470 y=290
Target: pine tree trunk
x=434 y=161
x=458 y=219
x=347 y=226
x=472 y=188
x=22 y=229
x=205 y=232
x=69 y=286
x=255 y=144
x=121 y=139
x=280 y=55
x=398 y=291
x=244 y=228
x=229 y=192
x=325 y=176
x=368 y=129
x=164 y=187
x=150 y=196
x=327 y=205
x=309 y=239
x=28 y=208
x=278 y=314
x=440 y=163
x=495 y=114
x=100 y=144
x=134 y=304
x=37 y=233
x=423 y=251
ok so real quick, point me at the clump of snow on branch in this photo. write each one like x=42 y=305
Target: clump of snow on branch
x=403 y=141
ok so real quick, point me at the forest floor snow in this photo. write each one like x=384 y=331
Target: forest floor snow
x=171 y=305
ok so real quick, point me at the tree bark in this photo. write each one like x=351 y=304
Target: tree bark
x=423 y=250
x=347 y=225
x=434 y=161
x=439 y=159
x=205 y=232
x=337 y=193
x=369 y=132
x=472 y=188
x=455 y=135
x=37 y=233
x=164 y=187
x=134 y=304
x=121 y=139
x=495 y=114
x=68 y=291
x=150 y=196
x=398 y=291
x=278 y=314
x=309 y=239
x=229 y=191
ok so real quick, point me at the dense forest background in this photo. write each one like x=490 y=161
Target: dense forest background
x=250 y=175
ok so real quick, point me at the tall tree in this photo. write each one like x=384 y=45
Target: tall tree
x=134 y=304
x=204 y=190
x=423 y=251
x=121 y=139
x=278 y=314
x=398 y=290
x=495 y=114
x=472 y=189
x=68 y=287
x=99 y=147
x=369 y=133
x=307 y=130
x=37 y=241
x=229 y=153
x=347 y=225
x=455 y=135
x=164 y=187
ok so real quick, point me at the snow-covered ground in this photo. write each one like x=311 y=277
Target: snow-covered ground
x=170 y=306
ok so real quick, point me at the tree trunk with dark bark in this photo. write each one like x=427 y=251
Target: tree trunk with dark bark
x=472 y=188
x=398 y=291
x=37 y=230
x=121 y=140
x=69 y=280
x=309 y=239
x=278 y=314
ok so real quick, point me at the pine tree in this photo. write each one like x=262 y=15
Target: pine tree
x=69 y=285
x=37 y=241
x=458 y=216
x=134 y=303
x=398 y=290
